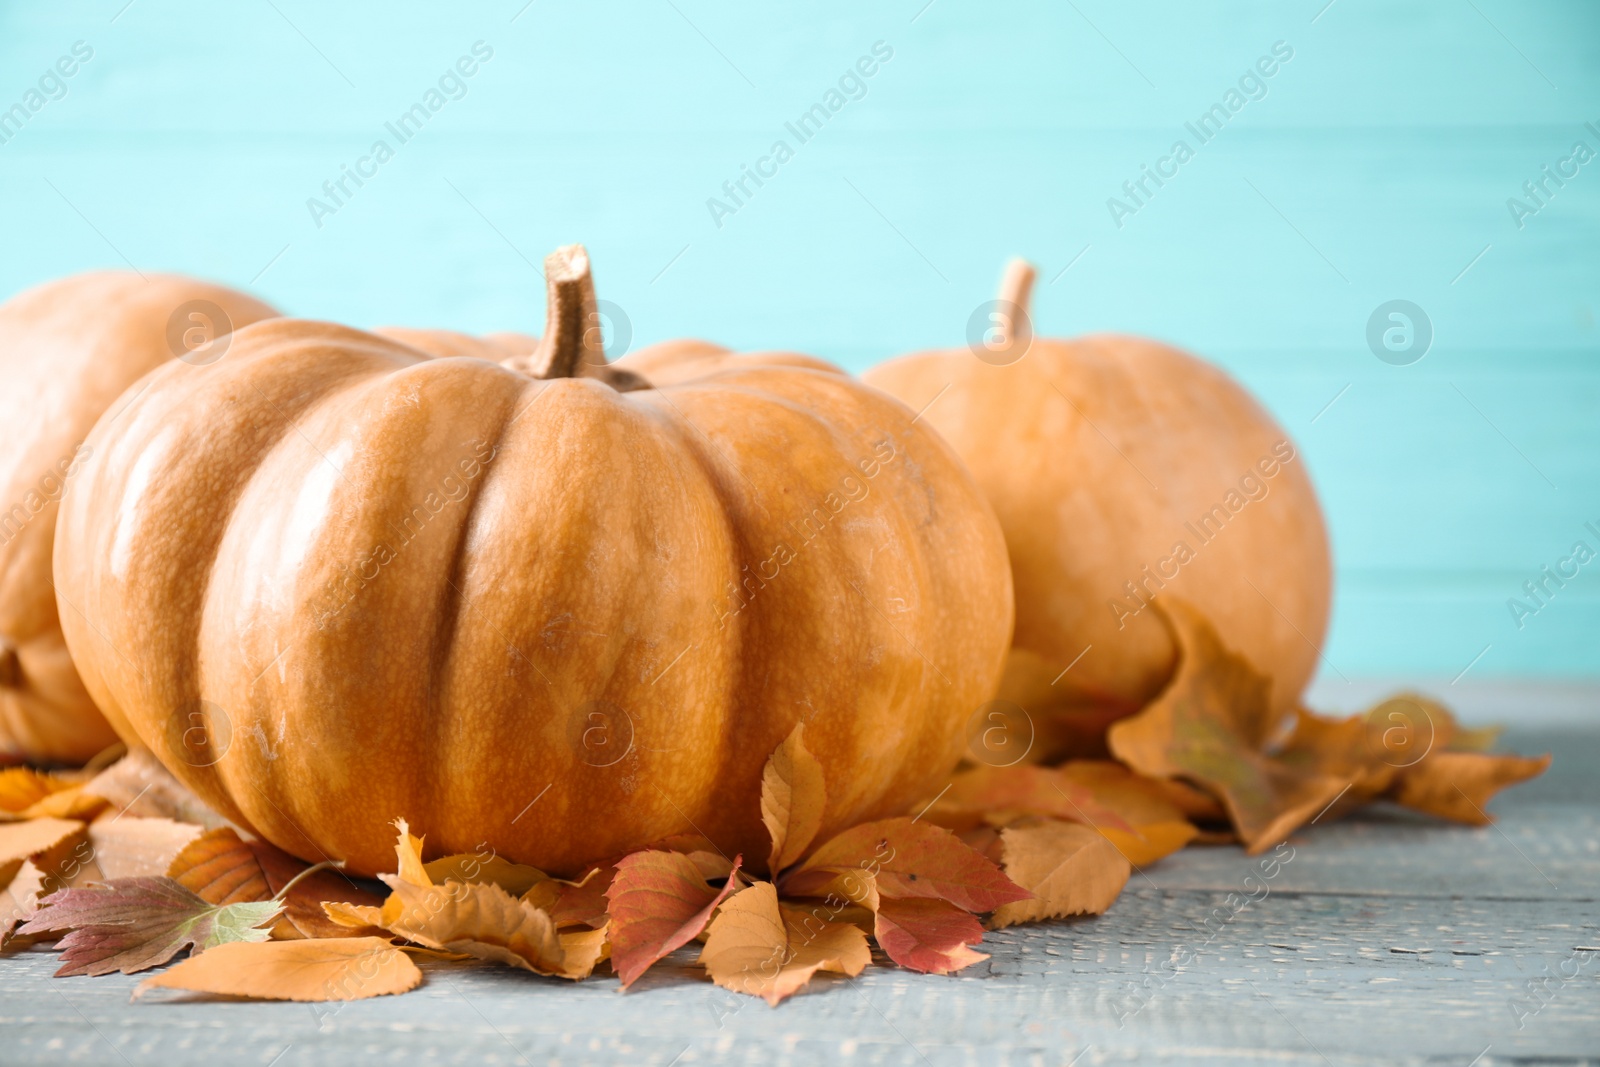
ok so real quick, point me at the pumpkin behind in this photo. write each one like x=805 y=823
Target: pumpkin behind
x=1121 y=469
x=67 y=350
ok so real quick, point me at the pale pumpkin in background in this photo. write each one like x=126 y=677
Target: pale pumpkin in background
x=1120 y=469
x=68 y=349
x=548 y=608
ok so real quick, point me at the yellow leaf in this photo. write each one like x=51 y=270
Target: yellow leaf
x=1070 y=869
x=21 y=840
x=793 y=796
x=340 y=968
x=514 y=878
x=409 y=851
x=354 y=916
x=20 y=899
x=758 y=947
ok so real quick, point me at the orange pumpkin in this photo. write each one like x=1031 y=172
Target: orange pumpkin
x=67 y=350
x=557 y=614
x=1121 y=469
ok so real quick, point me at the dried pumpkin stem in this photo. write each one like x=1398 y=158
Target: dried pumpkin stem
x=572 y=321
x=1016 y=287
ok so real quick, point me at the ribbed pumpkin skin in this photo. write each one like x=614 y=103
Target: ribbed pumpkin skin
x=545 y=545
x=67 y=350
x=1096 y=453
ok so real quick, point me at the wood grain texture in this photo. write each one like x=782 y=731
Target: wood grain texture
x=1384 y=940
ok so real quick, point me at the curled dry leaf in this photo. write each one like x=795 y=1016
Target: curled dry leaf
x=928 y=935
x=223 y=868
x=659 y=902
x=130 y=924
x=484 y=921
x=348 y=968
x=408 y=850
x=1070 y=869
x=793 y=797
x=762 y=948
x=908 y=859
x=1211 y=725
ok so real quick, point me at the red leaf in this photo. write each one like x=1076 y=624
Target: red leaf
x=659 y=902
x=913 y=860
x=928 y=935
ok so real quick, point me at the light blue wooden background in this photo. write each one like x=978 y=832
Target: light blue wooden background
x=1377 y=166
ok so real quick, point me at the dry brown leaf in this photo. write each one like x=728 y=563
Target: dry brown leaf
x=1069 y=868
x=328 y=969
x=408 y=850
x=582 y=950
x=20 y=899
x=761 y=948
x=138 y=784
x=353 y=916
x=1458 y=785
x=20 y=841
x=132 y=847
x=1210 y=725
x=792 y=800
x=514 y=878
x=224 y=868
x=23 y=787
x=1134 y=812
x=483 y=921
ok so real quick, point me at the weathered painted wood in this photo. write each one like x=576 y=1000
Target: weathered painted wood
x=1385 y=939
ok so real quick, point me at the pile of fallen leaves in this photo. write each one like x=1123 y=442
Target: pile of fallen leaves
x=124 y=869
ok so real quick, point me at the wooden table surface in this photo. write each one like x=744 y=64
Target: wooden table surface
x=1384 y=939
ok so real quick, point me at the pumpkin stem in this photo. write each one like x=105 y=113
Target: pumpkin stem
x=1016 y=286
x=572 y=346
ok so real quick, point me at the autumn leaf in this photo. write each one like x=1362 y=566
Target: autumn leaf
x=1210 y=725
x=1069 y=868
x=134 y=923
x=22 y=787
x=1134 y=812
x=792 y=800
x=20 y=899
x=762 y=948
x=908 y=859
x=928 y=935
x=514 y=878
x=408 y=850
x=348 y=968
x=580 y=903
x=1458 y=785
x=133 y=847
x=20 y=841
x=29 y=794
x=223 y=868
x=481 y=920
x=659 y=902
x=138 y=784
x=998 y=795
